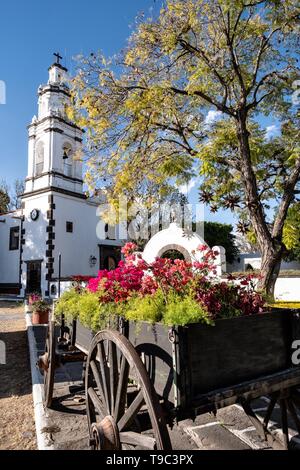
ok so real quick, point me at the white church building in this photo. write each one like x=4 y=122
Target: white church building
x=58 y=234
x=56 y=217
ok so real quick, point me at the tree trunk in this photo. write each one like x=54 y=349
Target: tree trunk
x=271 y=248
x=270 y=267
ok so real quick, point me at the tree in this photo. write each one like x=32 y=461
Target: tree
x=17 y=192
x=216 y=234
x=145 y=111
x=291 y=233
x=4 y=197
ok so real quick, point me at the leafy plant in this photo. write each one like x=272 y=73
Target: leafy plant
x=182 y=311
x=39 y=305
x=86 y=307
x=174 y=292
x=92 y=313
x=149 y=308
x=68 y=304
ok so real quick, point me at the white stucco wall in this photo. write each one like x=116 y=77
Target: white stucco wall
x=9 y=259
x=288 y=289
x=254 y=259
x=77 y=247
x=35 y=236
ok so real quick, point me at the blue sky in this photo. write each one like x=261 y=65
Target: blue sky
x=30 y=31
x=29 y=34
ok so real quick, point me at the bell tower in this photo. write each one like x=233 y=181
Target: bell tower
x=54 y=146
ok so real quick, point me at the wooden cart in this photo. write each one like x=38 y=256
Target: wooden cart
x=141 y=377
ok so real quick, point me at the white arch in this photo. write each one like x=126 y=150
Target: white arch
x=174 y=238
x=68 y=158
x=39 y=157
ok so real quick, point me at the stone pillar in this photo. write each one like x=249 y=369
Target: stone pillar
x=220 y=261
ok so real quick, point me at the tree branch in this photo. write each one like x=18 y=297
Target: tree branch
x=287 y=198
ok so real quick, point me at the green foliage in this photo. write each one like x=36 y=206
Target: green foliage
x=68 y=304
x=41 y=305
x=149 y=308
x=90 y=312
x=182 y=311
x=170 y=309
x=85 y=306
x=10 y=198
x=291 y=232
x=217 y=234
x=4 y=197
x=145 y=109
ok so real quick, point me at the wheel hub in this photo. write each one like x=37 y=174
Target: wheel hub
x=105 y=435
x=43 y=362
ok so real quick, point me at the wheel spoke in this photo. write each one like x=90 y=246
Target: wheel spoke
x=113 y=372
x=138 y=440
x=121 y=390
x=50 y=371
x=270 y=409
x=98 y=405
x=131 y=412
x=104 y=373
x=98 y=382
x=284 y=423
x=294 y=415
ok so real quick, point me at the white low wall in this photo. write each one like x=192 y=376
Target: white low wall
x=288 y=289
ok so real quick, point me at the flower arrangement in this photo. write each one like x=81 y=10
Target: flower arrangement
x=167 y=291
x=39 y=304
x=33 y=298
x=40 y=309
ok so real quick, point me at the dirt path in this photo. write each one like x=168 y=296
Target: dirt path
x=17 y=428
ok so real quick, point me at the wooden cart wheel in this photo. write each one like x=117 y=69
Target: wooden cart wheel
x=113 y=370
x=50 y=361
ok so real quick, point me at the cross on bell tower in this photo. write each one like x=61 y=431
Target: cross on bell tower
x=58 y=57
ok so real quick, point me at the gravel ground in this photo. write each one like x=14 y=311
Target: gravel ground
x=17 y=427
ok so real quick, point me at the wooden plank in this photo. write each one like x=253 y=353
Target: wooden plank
x=246 y=390
x=139 y=440
x=237 y=350
x=84 y=337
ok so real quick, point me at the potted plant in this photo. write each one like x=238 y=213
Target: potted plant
x=40 y=310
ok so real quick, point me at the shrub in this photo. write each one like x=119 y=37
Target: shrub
x=40 y=305
x=68 y=304
x=170 y=291
x=149 y=308
x=182 y=311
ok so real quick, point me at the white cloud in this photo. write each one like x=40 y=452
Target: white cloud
x=186 y=188
x=212 y=116
x=272 y=131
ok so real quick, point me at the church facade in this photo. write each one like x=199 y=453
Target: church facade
x=56 y=231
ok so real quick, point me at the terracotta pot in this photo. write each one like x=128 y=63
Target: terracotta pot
x=40 y=318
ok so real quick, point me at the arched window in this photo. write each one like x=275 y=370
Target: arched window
x=39 y=158
x=67 y=159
